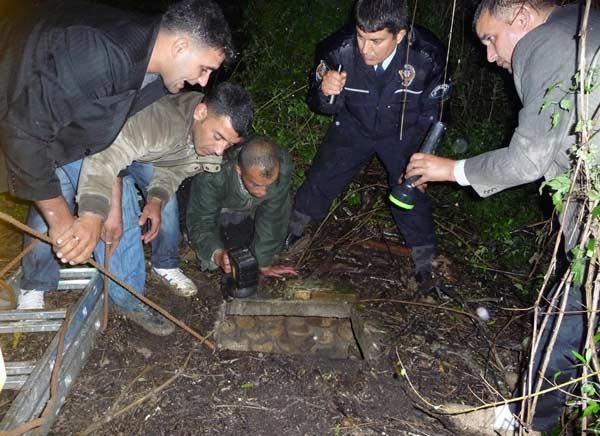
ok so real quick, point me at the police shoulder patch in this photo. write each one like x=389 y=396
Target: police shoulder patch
x=440 y=92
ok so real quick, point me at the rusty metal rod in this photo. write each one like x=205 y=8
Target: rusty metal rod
x=203 y=340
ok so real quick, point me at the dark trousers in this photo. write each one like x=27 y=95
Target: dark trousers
x=341 y=156
x=570 y=338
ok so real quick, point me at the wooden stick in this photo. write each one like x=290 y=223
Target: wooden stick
x=203 y=340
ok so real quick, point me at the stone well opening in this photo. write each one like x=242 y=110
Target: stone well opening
x=325 y=324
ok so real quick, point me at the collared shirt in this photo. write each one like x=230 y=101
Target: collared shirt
x=386 y=63
x=459 y=173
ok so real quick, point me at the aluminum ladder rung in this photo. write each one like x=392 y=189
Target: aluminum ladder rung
x=19 y=368
x=17 y=373
x=31 y=321
x=21 y=315
x=15 y=382
x=30 y=326
x=32 y=379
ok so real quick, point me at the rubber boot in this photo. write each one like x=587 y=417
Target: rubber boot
x=422 y=257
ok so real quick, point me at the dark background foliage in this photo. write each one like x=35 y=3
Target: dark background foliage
x=276 y=41
x=278 y=38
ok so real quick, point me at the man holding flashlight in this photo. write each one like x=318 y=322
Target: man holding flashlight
x=384 y=100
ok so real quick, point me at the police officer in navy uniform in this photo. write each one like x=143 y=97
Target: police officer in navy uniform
x=385 y=97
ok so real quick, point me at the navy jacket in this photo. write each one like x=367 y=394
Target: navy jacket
x=374 y=106
x=69 y=78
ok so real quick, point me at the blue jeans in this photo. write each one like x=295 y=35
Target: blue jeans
x=41 y=268
x=165 y=247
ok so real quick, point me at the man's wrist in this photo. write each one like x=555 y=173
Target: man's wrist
x=54 y=210
x=91 y=216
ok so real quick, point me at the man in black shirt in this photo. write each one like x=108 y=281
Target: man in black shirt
x=69 y=79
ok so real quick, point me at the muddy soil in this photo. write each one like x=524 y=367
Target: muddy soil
x=447 y=356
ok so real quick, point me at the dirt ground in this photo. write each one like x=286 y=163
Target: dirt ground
x=447 y=356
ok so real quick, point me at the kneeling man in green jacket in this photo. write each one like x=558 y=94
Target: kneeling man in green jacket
x=246 y=204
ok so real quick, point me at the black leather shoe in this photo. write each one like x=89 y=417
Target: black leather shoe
x=424 y=281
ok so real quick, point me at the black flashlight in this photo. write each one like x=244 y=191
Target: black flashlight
x=403 y=195
x=243 y=281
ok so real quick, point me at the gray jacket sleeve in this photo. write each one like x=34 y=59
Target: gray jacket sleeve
x=536 y=150
x=99 y=172
x=165 y=181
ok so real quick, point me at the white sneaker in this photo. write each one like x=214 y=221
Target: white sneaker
x=181 y=284
x=30 y=299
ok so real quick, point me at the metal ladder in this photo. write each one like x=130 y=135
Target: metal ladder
x=32 y=378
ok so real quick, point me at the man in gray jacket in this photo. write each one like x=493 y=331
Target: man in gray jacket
x=536 y=41
x=175 y=138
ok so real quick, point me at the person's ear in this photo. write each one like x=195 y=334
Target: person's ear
x=200 y=112
x=400 y=36
x=179 y=46
x=524 y=17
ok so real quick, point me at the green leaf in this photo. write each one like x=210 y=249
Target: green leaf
x=545 y=105
x=594 y=195
x=578 y=270
x=248 y=385
x=557 y=198
x=588 y=389
x=559 y=183
x=588 y=356
x=590 y=248
x=579 y=126
x=592 y=408
x=552 y=88
x=555 y=119
x=597 y=337
x=596 y=212
x=556 y=375
x=566 y=104
x=579 y=356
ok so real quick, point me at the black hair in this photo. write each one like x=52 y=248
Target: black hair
x=499 y=8
x=260 y=152
x=203 y=21
x=375 y=15
x=233 y=101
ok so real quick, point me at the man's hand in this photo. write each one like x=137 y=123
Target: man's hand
x=78 y=242
x=278 y=271
x=151 y=212
x=57 y=215
x=221 y=258
x=112 y=230
x=430 y=168
x=333 y=82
